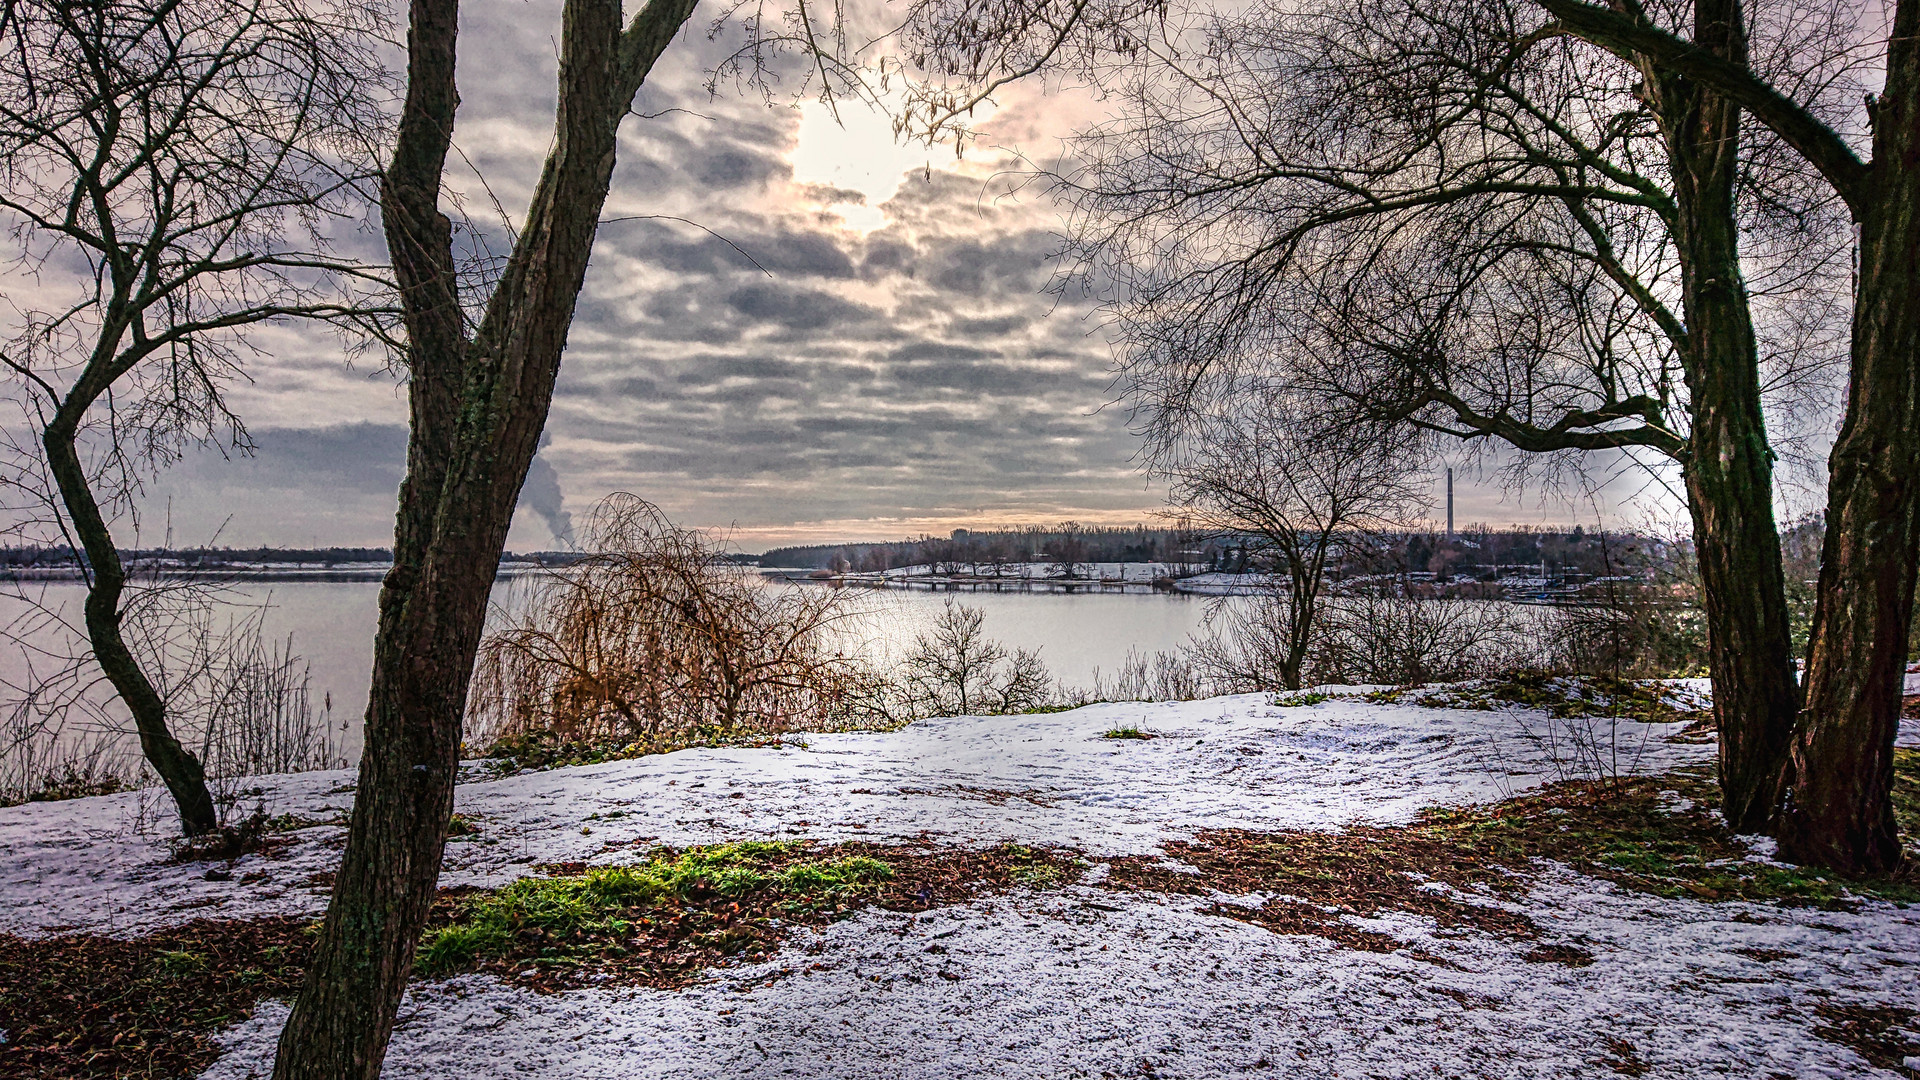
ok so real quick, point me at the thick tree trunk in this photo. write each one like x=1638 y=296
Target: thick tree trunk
x=1839 y=811
x=186 y=780
x=1755 y=696
x=1728 y=467
x=477 y=409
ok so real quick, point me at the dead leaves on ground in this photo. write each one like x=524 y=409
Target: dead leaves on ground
x=82 y=1005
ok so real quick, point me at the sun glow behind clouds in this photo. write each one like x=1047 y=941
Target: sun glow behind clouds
x=858 y=152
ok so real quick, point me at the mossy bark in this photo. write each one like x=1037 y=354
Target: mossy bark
x=477 y=408
x=1840 y=807
x=1728 y=466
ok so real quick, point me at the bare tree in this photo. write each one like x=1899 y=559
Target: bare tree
x=1839 y=809
x=957 y=670
x=189 y=160
x=478 y=396
x=1455 y=216
x=1068 y=546
x=1304 y=492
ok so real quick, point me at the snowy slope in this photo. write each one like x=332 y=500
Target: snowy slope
x=1086 y=983
x=100 y=864
x=1081 y=981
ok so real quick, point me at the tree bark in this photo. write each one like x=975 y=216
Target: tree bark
x=1839 y=811
x=1728 y=466
x=477 y=409
x=182 y=773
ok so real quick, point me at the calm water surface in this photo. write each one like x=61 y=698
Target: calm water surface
x=332 y=625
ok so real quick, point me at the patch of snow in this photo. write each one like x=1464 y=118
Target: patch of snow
x=1083 y=982
x=100 y=864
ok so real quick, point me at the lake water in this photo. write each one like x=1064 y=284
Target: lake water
x=332 y=626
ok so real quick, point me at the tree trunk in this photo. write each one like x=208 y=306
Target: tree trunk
x=186 y=780
x=1839 y=811
x=1728 y=465
x=477 y=409
x=1307 y=572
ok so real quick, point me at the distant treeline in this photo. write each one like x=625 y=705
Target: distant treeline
x=1066 y=542
x=29 y=556
x=1476 y=551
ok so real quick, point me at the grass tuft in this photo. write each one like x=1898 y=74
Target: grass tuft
x=564 y=915
x=1295 y=701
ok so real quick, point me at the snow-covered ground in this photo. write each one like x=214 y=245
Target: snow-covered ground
x=1240 y=762
x=1082 y=983
x=1079 y=981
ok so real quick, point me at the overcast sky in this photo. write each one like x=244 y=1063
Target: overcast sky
x=845 y=338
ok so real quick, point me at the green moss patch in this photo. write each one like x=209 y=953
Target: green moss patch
x=86 y=1006
x=1906 y=797
x=664 y=921
x=1294 y=701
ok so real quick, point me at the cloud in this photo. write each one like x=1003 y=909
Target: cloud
x=361 y=458
x=741 y=354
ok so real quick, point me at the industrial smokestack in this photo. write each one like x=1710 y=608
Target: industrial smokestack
x=1449 y=502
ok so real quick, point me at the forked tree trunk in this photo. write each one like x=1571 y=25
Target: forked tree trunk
x=1838 y=810
x=477 y=409
x=178 y=769
x=1840 y=807
x=1728 y=467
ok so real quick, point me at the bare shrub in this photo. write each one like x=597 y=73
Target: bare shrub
x=1631 y=630
x=58 y=738
x=37 y=765
x=956 y=670
x=1643 y=619
x=655 y=641
x=1586 y=747
x=244 y=698
x=244 y=701
x=1387 y=636
x=1252 y=644
x=1163 y=676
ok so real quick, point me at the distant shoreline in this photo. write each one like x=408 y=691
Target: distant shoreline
x=357 y=572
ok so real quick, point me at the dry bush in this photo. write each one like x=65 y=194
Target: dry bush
x=1389 y=637
x=1644 y=620
x=244 y=698
x=656 y=641
x=1381 y=636
x=1632 y=631
x=1251 y=643
x=1163 y=676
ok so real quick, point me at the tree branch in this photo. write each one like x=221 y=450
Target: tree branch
x=1631 y=38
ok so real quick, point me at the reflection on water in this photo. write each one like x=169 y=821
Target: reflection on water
x=1074 y=634
x=332 y=624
